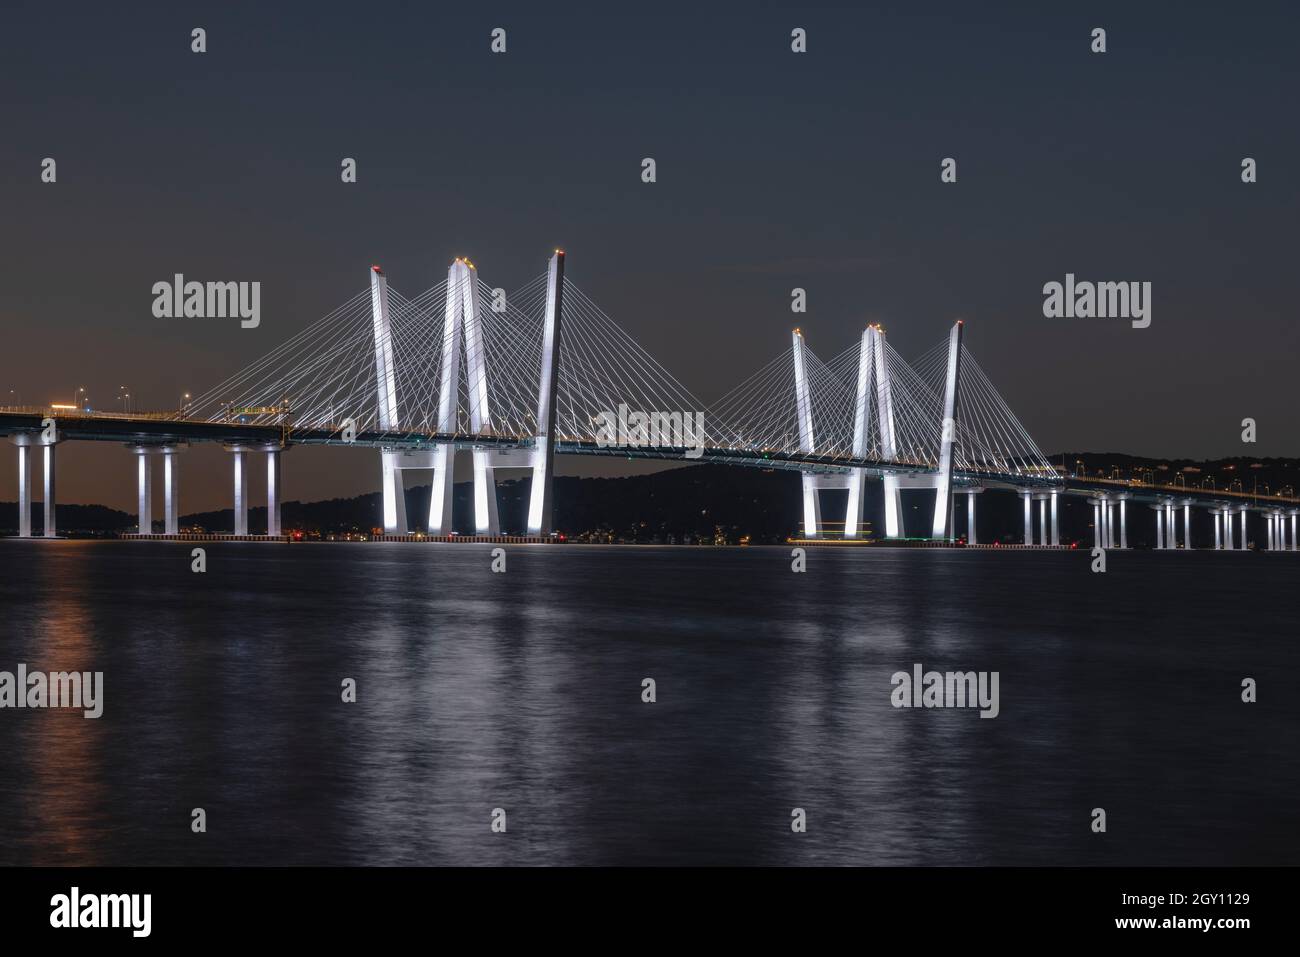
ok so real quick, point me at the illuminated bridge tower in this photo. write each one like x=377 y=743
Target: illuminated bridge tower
x=812 y=518
x=540 y=502
x=861 y=431
x=888 y=436
x=942 y=527
x=462 y=320
x=394 y=498
x=874 y=387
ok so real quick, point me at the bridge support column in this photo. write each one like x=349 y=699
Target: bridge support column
x=273 y=491
x=1244 y=541
x=971 y=538
x=812 y=512
x=444 y=468
x=1227 y=529
x=1096 y=525
x=540 y=500
x=1187 y=526
x=393 y=498
x=941 y=527
x=486 y=519
x=1218 y=541
x=1294 y=545
x=1056 y=525
x=1160 y=527
x=171 y=491
x=51 y=531
x=240 y=457
x=1110 y=524
x=24 y=491
x=144 y=490
x=1042 y=521
x=894 y=527
x=855 y=509
x=1029 y=518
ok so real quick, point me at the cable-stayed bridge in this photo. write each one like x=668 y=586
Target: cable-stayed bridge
x=515 y=379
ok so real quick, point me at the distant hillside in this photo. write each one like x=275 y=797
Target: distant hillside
x=695 y=503
x=1268 y=475
x=78 y=519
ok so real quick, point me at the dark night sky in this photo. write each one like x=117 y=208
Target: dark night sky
x=775 y=170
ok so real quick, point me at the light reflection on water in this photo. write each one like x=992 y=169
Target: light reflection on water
x=523 y=691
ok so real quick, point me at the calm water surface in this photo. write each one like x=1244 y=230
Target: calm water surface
x=523 y=691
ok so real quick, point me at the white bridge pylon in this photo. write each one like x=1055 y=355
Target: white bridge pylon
x=873 y=382
x=463 y=329
x=875 y=391
x=394 y=498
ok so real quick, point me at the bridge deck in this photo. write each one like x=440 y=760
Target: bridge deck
x=169 y=428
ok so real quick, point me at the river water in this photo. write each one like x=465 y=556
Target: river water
x=523 y=690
